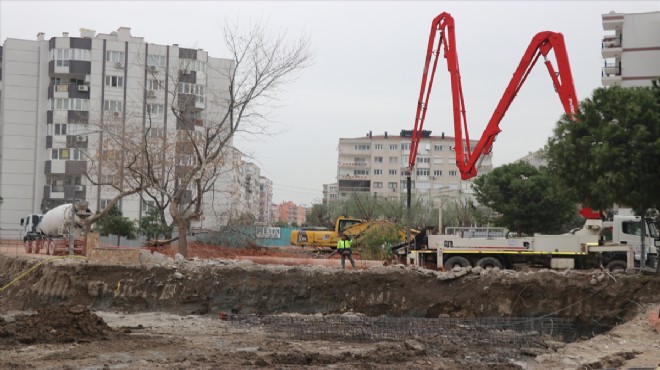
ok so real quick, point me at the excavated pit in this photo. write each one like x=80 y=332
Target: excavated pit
x=242 y=288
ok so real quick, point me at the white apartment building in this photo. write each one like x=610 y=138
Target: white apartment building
x=536 y=159
x=631 y=49
x=265 y=200
x=376 y=165
x=53 y=90
x=330 y=193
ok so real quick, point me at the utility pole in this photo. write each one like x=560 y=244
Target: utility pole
x=408 y=215
x=71 y=226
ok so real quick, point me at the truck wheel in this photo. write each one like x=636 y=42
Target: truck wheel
x=26 y=244
x=51 y=248
x=617 y=265
x=36 y=246
x=456 y=261
x=489 y=262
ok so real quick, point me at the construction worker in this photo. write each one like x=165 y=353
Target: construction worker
x=344 y=249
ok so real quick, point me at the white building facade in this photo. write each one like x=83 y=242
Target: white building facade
x=53 y=91
x=631 y=49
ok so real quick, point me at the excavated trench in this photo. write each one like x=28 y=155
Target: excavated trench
x=594 y=302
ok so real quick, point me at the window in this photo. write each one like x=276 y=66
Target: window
x=62 y=57
x=193 y=89
x=114 y=81
x=360 y=172
x=391 y=185
x=156 y=60
x=360 y=160
x=378 y=146
x=452 y=173
x=155 y=133
x=394 y=146
x=69 y=104
x=59 y=154
x=104 y=203
x=393 y=159
x=631 y=228
x=378 y=172
x=437 y=148
x=114 y=56
x=437 y=173
x=112 y=105
x=392 y=172
x=148 y=205
x=378 y=185
x=362 y=147
x=155 y=85
x=423 y=160
x=404 y=182
x=405 y=146
x=192 y=65
x=378 y=159
x=60 y=129
x=422 y=172
x=79 y=155
x=155 y=109
x=186 y=160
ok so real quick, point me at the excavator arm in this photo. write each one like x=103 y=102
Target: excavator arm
x=468 y=159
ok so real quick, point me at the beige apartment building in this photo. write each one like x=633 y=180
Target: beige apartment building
x=376 y=165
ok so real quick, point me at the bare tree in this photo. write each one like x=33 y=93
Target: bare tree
x=202 y=151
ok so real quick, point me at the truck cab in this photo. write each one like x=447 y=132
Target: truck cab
x=627 y=230
x=29 y=226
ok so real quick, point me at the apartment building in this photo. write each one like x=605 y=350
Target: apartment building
x=55 y=91
x=536 y=159
x=290 y=212
x=631 y=49
x=376 y=165
x=330 y=193
x=265 y=200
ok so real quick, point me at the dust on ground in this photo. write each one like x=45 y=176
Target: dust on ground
x=164 y=314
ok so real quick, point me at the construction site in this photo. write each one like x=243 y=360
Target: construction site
x=155 y=310
x=585 y=299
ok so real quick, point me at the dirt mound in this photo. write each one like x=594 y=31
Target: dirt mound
x=58 y=324
x=202 y=250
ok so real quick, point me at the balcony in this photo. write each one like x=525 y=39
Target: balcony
x=612 y=21
x=612 y=69
x=353 y=164
x=611 y=46
x=611 y=74
x=613 y=80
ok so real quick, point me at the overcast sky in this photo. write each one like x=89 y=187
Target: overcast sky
x=368 y=59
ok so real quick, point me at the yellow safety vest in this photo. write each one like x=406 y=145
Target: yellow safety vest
x=344 y=244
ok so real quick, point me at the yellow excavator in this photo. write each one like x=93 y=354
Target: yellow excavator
x=352 y=227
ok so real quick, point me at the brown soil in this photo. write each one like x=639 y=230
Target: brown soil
x=57 y=324
x=167 y=316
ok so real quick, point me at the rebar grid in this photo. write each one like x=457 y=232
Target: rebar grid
x=513 y=331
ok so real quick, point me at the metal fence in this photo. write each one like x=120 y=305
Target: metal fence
x=487 y=330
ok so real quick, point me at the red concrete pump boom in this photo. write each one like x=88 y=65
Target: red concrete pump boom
x=468 y=159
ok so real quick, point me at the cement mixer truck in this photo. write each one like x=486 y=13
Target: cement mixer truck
x=52 y=231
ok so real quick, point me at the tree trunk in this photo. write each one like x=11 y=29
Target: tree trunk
x=118 y=239
x=183 y=240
